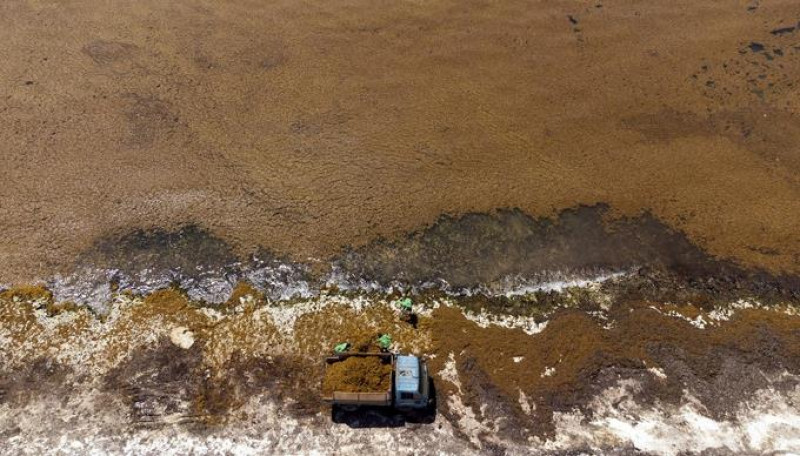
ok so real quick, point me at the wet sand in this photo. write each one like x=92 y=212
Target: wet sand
x=304 y=128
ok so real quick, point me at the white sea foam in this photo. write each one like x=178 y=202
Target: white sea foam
x=285 y=281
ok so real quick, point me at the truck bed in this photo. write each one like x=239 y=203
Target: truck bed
x=374 y=398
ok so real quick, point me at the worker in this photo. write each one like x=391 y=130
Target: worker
x=341 y=348
x=406 y=311
x=385 y=342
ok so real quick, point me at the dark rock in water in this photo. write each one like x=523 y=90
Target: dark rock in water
x=183 y=249
x=144 y=260
x=480 y=249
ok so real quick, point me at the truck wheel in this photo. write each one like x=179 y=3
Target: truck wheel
x=337 y=414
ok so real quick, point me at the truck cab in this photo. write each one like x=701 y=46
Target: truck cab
x=411 y=383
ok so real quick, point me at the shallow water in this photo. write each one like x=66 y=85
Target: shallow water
x=506 y=253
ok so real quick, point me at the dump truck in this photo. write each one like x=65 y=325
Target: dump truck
x=408 y=390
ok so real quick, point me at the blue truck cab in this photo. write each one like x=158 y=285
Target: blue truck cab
x=410 y=383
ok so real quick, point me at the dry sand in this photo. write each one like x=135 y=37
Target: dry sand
x=304 y=127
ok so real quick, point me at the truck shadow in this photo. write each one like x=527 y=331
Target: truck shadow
x=385 y=417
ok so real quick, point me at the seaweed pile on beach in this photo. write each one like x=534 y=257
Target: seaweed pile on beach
x=358 y=374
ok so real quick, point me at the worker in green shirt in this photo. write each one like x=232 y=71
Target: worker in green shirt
x=385 y=342
x=407 y=312
x=341 y=348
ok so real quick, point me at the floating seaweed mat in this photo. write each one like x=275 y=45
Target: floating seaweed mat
x=358 y=374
